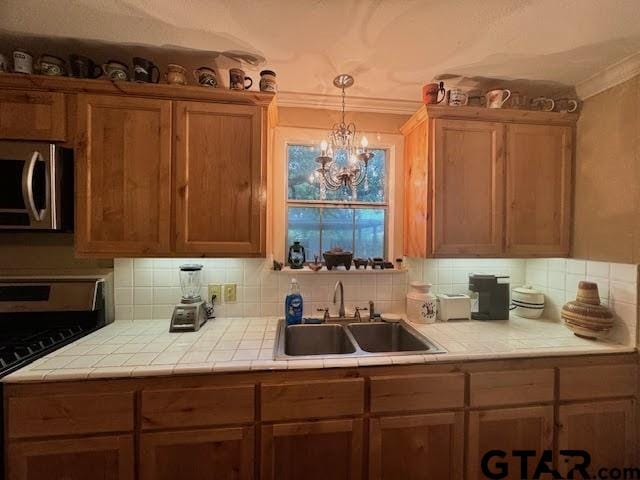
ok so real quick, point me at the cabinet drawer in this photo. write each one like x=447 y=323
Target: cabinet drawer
x=197 y=407
x=598 y=381
x=517 y=387
x=416 y=392
x=315 y=399
x=28 y=115
x=70 y=414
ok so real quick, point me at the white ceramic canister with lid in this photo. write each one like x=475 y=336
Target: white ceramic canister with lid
x=421 y=303
x=527 y=302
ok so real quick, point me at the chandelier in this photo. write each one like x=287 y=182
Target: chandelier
x=333 y=175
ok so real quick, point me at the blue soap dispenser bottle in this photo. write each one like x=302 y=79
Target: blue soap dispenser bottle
x=293 y=304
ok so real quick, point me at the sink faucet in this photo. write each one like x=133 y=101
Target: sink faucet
x=341 y=312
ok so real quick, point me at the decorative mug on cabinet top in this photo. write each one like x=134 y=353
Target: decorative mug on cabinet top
x=543 y=104
x=206 y=77
x=431 y=93
x=496 y=98
x=238 y=80
x=457 y=97
x=176 y=74
x=566 y=105
x=116 y=70
x=51 y=65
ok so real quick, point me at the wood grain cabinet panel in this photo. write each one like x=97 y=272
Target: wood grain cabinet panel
x=32 y=115
x=49 y=415
x=539 y=189
x=123 y=176
x=606 y=430
x=417 y=193
x=328 y=449
x=577 y=383
x=417 y=447
x=513 y=387
x=468 y=193
x=528 y=428
x=313 y=399
x=220 y=179
x=107 y=458
x=416 y=392
x=225 y=454
x=197 y=407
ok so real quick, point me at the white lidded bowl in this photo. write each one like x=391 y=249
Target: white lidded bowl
x=527 y=302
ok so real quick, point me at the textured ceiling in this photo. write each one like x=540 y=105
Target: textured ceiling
x=391 y=46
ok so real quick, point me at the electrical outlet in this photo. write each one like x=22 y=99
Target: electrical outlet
x=215 y=289
x=229 y=292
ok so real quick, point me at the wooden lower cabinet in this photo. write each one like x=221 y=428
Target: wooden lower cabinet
x=329 y=449
x=107 y=458
x=222 y=453
x=417 y=447
x=606 y=430
x=527 y=428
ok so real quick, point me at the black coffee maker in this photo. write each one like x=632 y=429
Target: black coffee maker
x=493 y=296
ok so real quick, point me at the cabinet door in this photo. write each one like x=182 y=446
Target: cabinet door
x=73 y=459
x=529 y=428
x=27 y=115
x=468 y=198
x=539 y=160
x=123 y=175
x=224 y=453
x=312 y=450
x=417 y=447
x=220 y=180
x=605 y=430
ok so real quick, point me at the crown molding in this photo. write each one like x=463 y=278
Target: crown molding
x=613 y=75
x=354 y=104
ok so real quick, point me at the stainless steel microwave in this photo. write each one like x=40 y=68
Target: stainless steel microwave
x=36 y=186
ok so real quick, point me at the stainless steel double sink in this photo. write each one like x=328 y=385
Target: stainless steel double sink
x=342 y=339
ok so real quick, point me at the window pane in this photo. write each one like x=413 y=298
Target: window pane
x=301 y=159
x=304 y=227
x=369 y=232
x=301 y=164
x=337 y=228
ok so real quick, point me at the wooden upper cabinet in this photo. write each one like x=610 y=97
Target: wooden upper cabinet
x=123 y=175
x=32 y=115
x=468 y=201
x=538 y=193
x=220 y=179
x=483 y=182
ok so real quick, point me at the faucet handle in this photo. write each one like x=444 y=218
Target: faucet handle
x=356 y=315
x=325 y=316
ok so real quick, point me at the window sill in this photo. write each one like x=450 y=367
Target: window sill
x=341 y=271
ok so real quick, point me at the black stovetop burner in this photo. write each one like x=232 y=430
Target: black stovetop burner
x=17 y=348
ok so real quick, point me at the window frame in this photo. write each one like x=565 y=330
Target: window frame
x=322 y=204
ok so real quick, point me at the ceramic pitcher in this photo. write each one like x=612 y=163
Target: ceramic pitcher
x=497 y=98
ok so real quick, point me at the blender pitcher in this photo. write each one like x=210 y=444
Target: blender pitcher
x=190 y=282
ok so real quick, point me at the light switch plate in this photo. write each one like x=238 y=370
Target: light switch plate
x=229 y=292
x=215 y=289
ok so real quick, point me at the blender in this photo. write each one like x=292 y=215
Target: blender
x=192 y=312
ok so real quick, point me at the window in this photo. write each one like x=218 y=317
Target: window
x=359 y=225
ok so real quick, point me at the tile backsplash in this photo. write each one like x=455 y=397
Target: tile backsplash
x=149 y=288
x=617 y=283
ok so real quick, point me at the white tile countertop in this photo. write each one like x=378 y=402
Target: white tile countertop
x=146 y=348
